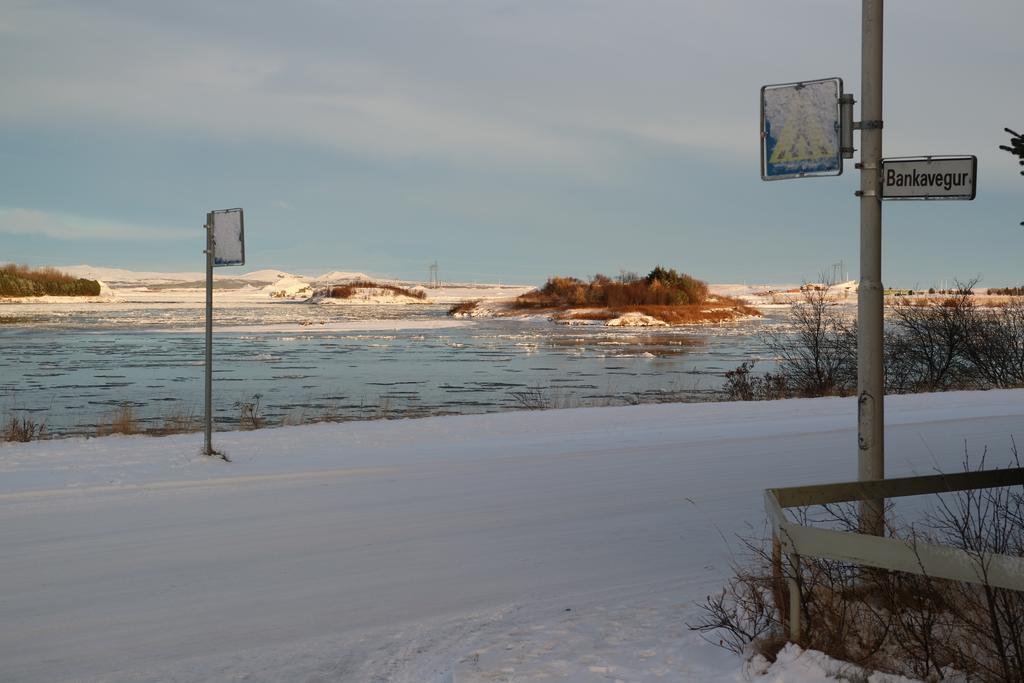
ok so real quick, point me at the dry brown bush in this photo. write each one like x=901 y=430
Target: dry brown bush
x=20 y=281
x=662 y=287
x=23 y=429
x=44 y=274
x=121 y=421
x=350 y=290
x=939 y=344
x=907 y=624
x=463 y=307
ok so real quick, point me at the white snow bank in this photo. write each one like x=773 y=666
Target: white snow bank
x=527 y=546
x=796 y=665
x=636 y=319
x=289 y=288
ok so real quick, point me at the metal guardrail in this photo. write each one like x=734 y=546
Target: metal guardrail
x=937 y=561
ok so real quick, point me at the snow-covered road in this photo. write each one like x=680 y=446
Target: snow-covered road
x=568 y=544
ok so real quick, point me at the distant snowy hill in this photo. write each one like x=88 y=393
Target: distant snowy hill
x=141 y=278
x=271 y=284
x=132 y=277
x=339 y=276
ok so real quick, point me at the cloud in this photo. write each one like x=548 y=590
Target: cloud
x=539 y=85
x=70 y=227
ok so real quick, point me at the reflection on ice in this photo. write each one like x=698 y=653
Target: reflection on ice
x=76 y=366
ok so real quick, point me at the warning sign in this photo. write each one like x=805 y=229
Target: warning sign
x=800 y=129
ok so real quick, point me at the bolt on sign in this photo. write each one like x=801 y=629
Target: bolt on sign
x=930 y=177
x=800 y=129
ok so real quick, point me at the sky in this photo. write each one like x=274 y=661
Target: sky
x=507 y=140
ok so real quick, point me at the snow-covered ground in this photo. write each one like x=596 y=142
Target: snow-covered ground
x=240 y=287
x=237 y=286
x=773 y=295
x=534 y=546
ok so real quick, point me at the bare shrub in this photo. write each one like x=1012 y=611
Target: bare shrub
x=744 y=613
x=995 y=346
x=984 y=521
x=249 y=416
x=532 y=398
x=751 y=613
x=742 y=385
x=930 y=345
x=23 y=429
x=541 y=398
x=902 y=623
x=932 y=342
x=820 y=357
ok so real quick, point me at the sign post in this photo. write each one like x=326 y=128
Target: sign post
x=870 y=299
x=225 y=246
x=807 y=130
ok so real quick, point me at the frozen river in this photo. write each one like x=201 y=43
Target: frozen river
x=75 y=368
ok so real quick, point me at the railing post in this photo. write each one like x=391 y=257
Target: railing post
x=794 y=598
x=779 y=590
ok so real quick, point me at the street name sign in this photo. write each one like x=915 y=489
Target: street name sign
x=933 y=177
x=800 y=129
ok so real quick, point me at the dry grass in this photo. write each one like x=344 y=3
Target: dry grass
x=717 y=310
x=178 y=422
x=23 y=429
x=589 y=314
x=45 y=274
x=350 y=290
x=121 y=421
x=720 y=311
x=463 y=307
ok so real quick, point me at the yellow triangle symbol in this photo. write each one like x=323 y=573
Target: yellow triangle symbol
x=801 y=139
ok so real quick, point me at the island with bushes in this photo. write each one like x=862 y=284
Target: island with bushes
x=663 y=297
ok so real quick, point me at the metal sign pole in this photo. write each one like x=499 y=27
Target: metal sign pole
x=208 y=388
x=870 y=358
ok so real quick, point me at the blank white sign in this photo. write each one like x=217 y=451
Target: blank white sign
x=228 y=238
